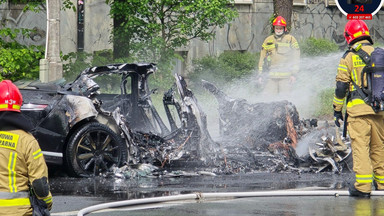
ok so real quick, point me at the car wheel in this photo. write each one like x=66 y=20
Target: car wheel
x=93 y=149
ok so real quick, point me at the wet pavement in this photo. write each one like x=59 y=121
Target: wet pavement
x=74 y=194
x=287 y=206
x=144 y=187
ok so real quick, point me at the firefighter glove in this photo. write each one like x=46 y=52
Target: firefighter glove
x=338 y=116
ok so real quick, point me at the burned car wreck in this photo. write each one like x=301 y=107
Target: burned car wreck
x=265 y=136
x=90 y=128
x=89 y=132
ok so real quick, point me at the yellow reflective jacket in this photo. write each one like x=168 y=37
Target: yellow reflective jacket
x=350 y=67
x=283 y=55
x=21 y=162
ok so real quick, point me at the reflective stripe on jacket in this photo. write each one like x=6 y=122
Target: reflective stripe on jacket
x=14 y=199
x=283 y=54
x=21 y=162
x=349 y=69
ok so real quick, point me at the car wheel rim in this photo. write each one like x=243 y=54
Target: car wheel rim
x=96 y=152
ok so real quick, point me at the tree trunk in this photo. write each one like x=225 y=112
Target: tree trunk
x=283 y=8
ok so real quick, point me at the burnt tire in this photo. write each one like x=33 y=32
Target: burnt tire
x=93 y=149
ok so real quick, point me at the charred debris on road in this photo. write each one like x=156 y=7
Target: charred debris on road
x=259 y=137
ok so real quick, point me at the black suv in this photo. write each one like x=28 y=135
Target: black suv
x=89 y=127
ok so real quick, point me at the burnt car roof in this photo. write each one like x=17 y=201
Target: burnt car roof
x=92 y=72
x=124 y=68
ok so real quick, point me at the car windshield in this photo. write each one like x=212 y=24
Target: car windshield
x=110 y=84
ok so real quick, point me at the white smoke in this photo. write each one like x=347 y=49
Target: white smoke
x=316 y=74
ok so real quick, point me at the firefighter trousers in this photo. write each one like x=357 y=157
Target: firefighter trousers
x=276 y=86
x=367 y=140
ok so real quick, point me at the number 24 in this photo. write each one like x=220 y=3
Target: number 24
x=359 y=8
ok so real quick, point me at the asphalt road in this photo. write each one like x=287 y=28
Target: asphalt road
x=74 y=194
x=312 y=205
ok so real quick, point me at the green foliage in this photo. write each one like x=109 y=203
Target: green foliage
x=313 y=47
x=270 y=21
x=35 y=5
x=151 y=30
x=67 y=4
x=163 y=78
x=29 y=5
x=75 y=62
x=225 y=68
x=18 y=61
x=167 y=24
x=323 y=103
x=318 y=47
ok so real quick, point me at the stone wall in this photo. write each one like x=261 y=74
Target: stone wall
x=97 y=25
x=14 y=17
x=245 y=33
x=249 y=30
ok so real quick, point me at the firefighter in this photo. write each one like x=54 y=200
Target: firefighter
x=365 y=127
x=23 y=170
x=279 y=60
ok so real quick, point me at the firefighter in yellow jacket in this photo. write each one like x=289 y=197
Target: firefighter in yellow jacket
x=279 y=60
x=365 y=126
x=22 y=166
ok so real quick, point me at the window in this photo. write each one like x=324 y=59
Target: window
x=299 y=2
x=243 y=1
x=330 y=3
x=315 y=1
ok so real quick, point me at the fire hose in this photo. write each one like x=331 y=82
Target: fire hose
x=202 y=196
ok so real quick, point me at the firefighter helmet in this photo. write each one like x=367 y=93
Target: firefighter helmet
x=356 y=29
x=10 y=97
x=280 y=21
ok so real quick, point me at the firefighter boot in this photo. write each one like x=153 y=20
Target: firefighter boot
x=376 y=186
x=356 y=193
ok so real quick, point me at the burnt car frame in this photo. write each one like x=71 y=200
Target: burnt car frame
x=105 y=119
x=90 y=132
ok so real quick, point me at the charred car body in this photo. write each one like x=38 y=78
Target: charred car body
x=265 y=136
x=91 y=125
x=90 y=132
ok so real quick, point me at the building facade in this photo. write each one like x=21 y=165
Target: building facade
x=89 y=28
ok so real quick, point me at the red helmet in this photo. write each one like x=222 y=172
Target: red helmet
x=280 y=21
x=355 y=29
x=10 y=97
